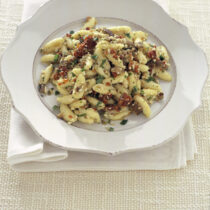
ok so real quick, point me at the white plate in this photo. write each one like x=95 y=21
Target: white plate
x=134 y=120
x=21 y=68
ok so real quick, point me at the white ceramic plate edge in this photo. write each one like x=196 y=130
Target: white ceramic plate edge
x=196 y=105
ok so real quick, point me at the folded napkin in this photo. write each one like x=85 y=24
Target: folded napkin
x=27 y=152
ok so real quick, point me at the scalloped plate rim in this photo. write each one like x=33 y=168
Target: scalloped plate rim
x=21 y=27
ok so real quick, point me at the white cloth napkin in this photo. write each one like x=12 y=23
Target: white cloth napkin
x=27 y=152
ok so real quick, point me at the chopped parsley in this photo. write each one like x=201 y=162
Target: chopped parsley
x=74 y=62
x=99 y=79
x=149 y=98
x=102 y=63
x=81 y=115
x=56 y=58
x=134 y=90
x=123 y=122
x=128 y=35
x=81 y=39
x=94 y=57
x=98 y=104
x=129 y=73
x=105 y=122
x=142 y=92
x=71 y=32
x=57 y=92
x=55 y=108
x=49 y=92
x=83 y=69
x=73 y=74
x=150 y=79
x=95 y=38
x=161 y=58
x=110 y=129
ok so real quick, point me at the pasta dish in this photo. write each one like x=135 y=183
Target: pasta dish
x=103 y=73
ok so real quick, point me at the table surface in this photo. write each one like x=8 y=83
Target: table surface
x=187 y=188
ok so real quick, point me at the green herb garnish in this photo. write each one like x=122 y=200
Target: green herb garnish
x=81 y=115
x=74 y=62
x=142 y=92
x=71 y=32
x=129 y=73
x=134 y=90
x=150 y=79
x=110 y=129
x=81 y=39
x=73 y=74
x=123 y=122
x=149 y=98
x=56 y=58
x=95 y=38
x=128 y=35
x=98 y=104
x=105 y=122
x=57 y=92
x=99 y=79
x=55 y=108
x=94 y=57
x=83 y=69
x=102 y=63
x=161 y=58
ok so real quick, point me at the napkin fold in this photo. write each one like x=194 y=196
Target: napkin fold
x=28 y=153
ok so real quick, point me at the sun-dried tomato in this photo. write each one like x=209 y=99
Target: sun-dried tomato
x=115 y=56
x=112 y=51
x=68 y=35
x=63 y=68
x=136 y=69
x=86 y=46
x=80 y=51
x=114 y=74
x=112 y=107
x=56 y=76
x=124 y=100
x=91 y=43
x=135 y=108
x=108 y=83
x=152 y=54
x=105 y=98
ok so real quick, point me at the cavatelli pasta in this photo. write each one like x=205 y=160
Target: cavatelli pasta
x=104 y=72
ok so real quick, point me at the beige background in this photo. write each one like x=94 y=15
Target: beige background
x=187 y=188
